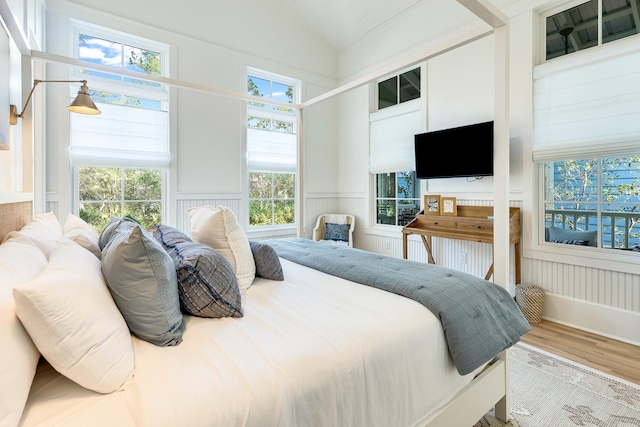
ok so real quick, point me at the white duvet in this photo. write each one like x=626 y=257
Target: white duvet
x=314 y=350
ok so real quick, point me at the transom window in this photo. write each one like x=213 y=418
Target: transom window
x=589 y=24
x=398 y=89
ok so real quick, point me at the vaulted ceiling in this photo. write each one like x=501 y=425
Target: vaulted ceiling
x=343 y=22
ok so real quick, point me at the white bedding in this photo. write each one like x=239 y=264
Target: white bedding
x=314 y=350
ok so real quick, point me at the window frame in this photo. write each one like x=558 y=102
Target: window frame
x=159 y=93
x=564 y=6
x=396 y=199
x=76 y=187
x=273 y=229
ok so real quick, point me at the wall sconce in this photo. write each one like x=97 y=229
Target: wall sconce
x=82 y=104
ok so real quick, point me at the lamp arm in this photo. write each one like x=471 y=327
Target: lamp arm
x=35 y=83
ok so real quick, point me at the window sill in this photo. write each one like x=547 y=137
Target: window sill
x=272 y=232
x=623 y=261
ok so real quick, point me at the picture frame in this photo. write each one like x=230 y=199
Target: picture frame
x=432 y=204
x=449 y=206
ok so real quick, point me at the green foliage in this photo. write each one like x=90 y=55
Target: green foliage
x=271 y=198
x=107 y=192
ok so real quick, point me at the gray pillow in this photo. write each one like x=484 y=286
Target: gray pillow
x=561 y=234
x=142 y=280
x=267 y=261
x=207 y=284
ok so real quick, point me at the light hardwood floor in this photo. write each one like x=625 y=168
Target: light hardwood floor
x=605 y=354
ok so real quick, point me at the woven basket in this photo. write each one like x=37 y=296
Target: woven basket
x=530 y=299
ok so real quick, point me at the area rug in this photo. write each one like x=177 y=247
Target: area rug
x=550 y=391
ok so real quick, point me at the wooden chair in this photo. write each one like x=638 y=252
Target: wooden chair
x=340 y=230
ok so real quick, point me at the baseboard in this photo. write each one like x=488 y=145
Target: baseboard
x=622 y=325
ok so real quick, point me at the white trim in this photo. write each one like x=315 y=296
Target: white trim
x=622 y=325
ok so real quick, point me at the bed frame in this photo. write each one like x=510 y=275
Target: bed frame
x=488 y=390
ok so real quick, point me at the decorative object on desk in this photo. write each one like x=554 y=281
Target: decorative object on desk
x=449 y=206
x=432 y=204
x=530 y=299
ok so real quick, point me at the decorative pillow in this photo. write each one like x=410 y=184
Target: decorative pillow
x=44 y=231
x=338 y=232
x=79 y=231
x=572 y=242
x=218 y=228
x=267 y=261
x=20 y=261
x=556 y=233
x=207 y=284
x=74 y=322
x=142 y=280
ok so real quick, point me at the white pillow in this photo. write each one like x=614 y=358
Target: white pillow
x=44 y=230
x=218 y=228
x=71 y=317
x=79 y=231
x=20 y=261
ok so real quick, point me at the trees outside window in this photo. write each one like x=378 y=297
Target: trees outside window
x=107 y=192
x=595 y=194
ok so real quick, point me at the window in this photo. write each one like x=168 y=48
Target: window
x=120 y=157
x=399 y=89
x=595 y=194
x=397 y=198
x=589 y=24
x=271 y=149
x=106 y=192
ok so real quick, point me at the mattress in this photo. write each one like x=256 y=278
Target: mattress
x=312 y=350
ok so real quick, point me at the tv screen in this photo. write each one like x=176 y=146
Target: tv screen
x=465 y=151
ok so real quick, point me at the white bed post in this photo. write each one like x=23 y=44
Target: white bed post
x=501 y=248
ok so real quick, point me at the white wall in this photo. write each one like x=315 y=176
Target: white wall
x=208 y=137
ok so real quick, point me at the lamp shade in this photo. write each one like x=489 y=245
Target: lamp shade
x=83 y=104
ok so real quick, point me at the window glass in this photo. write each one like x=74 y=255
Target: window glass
x=107 y=192
x=388 y=93
x=577 y=28
x=410 y=85
x=397 y=198
x=596 y=194
x=271 y=198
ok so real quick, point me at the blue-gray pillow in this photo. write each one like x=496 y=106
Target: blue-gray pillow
x=561 y=234
x=207 y=284
x=142 y=280
x=339 y=232
x=267 y=261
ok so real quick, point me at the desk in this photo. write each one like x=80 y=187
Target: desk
x=471 y=224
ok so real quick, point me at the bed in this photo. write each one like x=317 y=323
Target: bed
x=312 y=349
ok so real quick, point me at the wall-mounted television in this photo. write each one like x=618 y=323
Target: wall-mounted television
x=465 y=151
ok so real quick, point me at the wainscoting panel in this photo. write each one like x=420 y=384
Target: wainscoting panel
x=182 y=205
x=610 y=288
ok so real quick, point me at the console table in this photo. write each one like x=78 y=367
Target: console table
x=472 y=223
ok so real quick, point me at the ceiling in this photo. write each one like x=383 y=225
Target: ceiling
x=341 y=23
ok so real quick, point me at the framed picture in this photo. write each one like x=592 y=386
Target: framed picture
x=432 y=204
x=449 y=206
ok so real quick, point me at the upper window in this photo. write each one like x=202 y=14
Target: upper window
x=398 y=89
x=589 y=24
x=595 y=201
x=271 y=149
x=120 y=157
